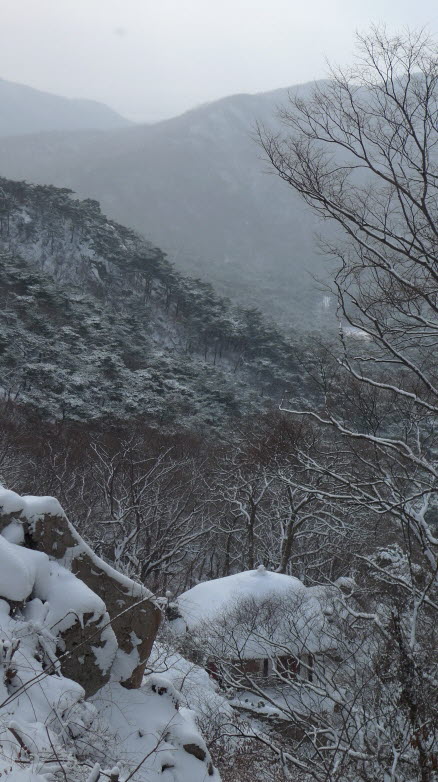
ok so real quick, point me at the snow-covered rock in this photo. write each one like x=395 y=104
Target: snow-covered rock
x=113 y=619
x=55 y=635
x=150 y=729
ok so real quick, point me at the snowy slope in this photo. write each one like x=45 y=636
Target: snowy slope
x=86 y=304
x=47 y=725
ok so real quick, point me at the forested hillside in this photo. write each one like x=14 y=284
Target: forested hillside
x=95 y=322
x=197 y=186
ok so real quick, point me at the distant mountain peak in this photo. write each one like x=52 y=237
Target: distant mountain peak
x=197 y=185
x=26 y=110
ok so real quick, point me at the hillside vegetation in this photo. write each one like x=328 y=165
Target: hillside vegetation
x=197 y=186
x=95 y=322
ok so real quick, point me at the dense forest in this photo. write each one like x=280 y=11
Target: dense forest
x=154 y=342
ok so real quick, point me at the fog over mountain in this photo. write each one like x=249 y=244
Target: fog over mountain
x=197 y=186
x=26 y=110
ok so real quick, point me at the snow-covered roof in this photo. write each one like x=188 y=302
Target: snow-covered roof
x=257 y=613
x=207 y=600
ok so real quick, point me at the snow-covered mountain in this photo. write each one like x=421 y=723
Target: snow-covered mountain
x=26 y=110
x=196 y=185
x=95 y=323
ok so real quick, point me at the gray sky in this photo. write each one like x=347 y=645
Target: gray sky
x=155 y=58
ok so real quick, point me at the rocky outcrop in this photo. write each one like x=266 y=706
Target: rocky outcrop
x=123 y=608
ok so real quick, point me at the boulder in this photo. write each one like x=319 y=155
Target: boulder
x=133 y=613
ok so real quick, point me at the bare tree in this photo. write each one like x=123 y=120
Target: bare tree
x=342 y=712
x=363 y=153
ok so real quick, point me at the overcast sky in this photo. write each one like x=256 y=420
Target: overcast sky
x=155 y=58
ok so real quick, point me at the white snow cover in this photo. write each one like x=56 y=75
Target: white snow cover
x=31 y=508
x=14 y=532
x=69 y=600
x=148 y=725
x=34 y=705
x=256 y=614
x=25 y=573
x=117 y=727
x=21 y=571
x=129 y=586
x=198 y=691
x=44 y=717
x=28 y=507
x=206 y=601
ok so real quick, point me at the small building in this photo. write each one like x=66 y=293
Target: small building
x=259 y=624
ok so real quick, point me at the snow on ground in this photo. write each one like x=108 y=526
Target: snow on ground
x=46 y=724
x=48 y=715
x=150 y=730
x=280 y=702
x=199 y=692
x=34 y=706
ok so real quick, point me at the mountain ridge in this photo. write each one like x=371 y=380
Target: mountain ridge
x=27 y=110
x=95 y=323
x=196 y=186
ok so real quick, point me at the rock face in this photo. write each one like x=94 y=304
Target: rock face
x=80 y=642
x=113 y=639
x=135 y=618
